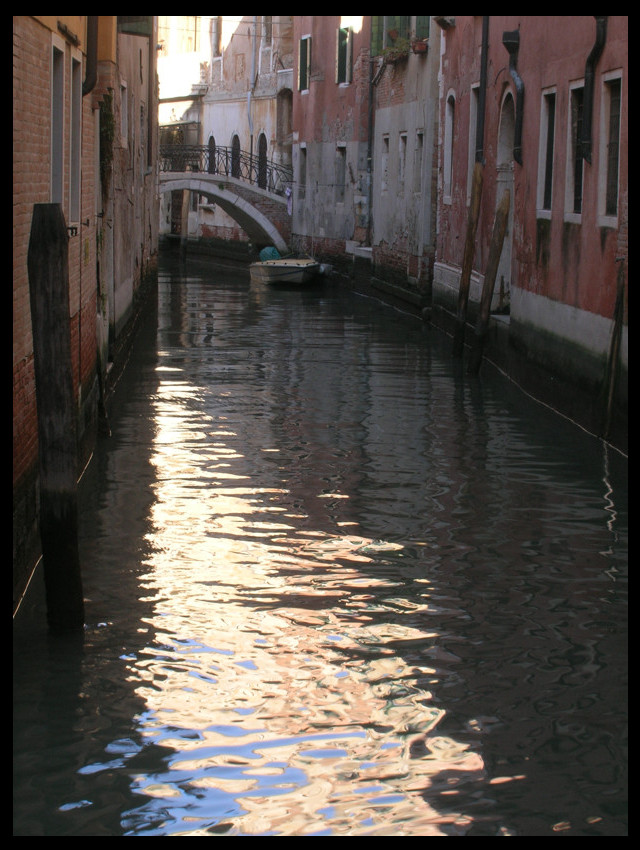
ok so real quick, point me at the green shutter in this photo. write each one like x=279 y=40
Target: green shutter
x=377 y=29
x=342 y=55
x=303 y=64
x=422 y=26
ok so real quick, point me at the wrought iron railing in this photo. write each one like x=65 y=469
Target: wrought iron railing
x=229 y=162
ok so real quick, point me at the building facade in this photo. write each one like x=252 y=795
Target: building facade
x=84 y=138
x=226 y=84
x=331 y=136
x=541 y=104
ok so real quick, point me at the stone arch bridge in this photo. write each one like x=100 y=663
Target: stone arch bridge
x=254 y=192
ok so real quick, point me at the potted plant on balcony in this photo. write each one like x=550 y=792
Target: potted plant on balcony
x=396 y=51
x=420 y=45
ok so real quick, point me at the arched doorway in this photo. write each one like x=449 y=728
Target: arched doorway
x=504 y=182
x=212 y=168
x=235 y=156
x=262 y=161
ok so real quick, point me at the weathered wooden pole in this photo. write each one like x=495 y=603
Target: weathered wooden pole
x=613 y=360
x=495 y=249
x=47 y=263
x=467 y=260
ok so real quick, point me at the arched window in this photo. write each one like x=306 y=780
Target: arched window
x=235 y=156
x=449 y=116
x=212 y=168
x=262 y=161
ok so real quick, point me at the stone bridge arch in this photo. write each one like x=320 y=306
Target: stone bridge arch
x=262 y=215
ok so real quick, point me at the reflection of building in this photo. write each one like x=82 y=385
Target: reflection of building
x=84 y=130
x=225 y=83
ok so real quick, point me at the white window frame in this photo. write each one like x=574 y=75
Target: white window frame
x=384 y=164
x=545 y=94
x=605 y=220
x=341 y=172
x=447 y=165
x=418 y=162
x=308 y=39
x=348 y=59
x=57 y=122
x=402 y=158
x=75 y=138
x=302 y=172
x=124 y=114
x=569 y=215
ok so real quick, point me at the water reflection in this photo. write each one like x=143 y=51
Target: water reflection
x=335 y=588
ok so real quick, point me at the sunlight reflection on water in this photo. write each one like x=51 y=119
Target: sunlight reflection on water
x=333 y=588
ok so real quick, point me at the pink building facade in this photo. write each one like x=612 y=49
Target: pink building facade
x=542 y=103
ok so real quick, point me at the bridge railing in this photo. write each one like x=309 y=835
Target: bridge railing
x=228 y=162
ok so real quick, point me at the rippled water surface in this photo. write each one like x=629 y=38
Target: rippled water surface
x=334 y=586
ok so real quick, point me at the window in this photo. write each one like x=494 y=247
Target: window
x=417 y=162
x=341 y=172
x=190 y=41
x=402 y=159
x=388 y=29
x=344 y=51
x=545 y=153
x=57 y=125
x=610 y=146
x=302 y=179
x=76 y=140
x=124 y=115
x=385 y=164
x=304 y=63
x=422 y=27
x=575 y=162
x=448 y=147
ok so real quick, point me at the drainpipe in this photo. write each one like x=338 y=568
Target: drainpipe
x=249 y=94
x=482 y=95
x=511 y=41
x=589 y=77
x=369 y=149
x=92 y=55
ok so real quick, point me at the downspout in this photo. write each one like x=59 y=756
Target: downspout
x=249 y=94
x=482 y=96
x=92 y=55
x=511 y=41
x=589 y=77
x=374 y=79
x=370 y=150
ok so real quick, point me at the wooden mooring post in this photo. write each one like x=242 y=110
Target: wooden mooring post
x=495 y=249
x=47 y=263
x=467 y=260
x=613 y=359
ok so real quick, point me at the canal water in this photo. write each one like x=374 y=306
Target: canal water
x=334 y=586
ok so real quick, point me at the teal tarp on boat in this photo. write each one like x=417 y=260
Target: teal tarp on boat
x=269 y=253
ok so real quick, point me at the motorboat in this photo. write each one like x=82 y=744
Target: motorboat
x=285 y=270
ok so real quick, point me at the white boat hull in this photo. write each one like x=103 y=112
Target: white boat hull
x=285 y=270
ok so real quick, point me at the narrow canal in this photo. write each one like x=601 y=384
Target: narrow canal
x=334 y=586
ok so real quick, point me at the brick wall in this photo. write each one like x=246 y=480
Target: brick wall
x=32 y=52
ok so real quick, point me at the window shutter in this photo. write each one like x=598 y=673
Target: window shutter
x=377 y=29
x=422 y=26
x=303 y=64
